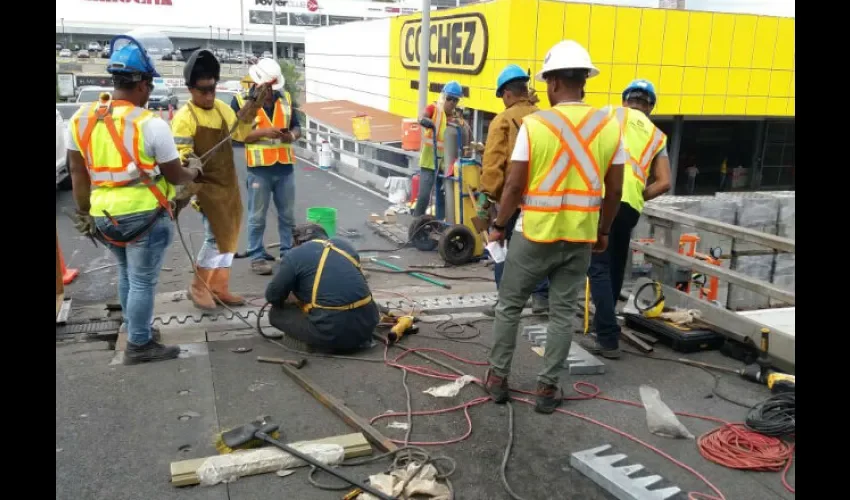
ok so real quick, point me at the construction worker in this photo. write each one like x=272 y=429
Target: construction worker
x=319 y=295
x=123 y=167
x=434 y=118
x=646 y=147
x=270 y=159
x=202 y=124
x=512 y=88
x=562 y=159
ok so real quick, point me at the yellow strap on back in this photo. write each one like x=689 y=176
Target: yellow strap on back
x=328 y=246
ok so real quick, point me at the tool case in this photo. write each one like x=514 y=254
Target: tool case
x=680 y=338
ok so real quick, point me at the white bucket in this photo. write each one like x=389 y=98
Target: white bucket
x=325 y=156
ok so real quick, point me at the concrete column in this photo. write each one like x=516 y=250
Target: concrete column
x=674 y=143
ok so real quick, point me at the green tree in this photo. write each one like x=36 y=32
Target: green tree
x=293 y=78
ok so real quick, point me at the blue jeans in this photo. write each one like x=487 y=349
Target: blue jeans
x=275 y=182
x=139 y=264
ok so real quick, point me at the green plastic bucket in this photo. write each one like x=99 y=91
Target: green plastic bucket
x=325 y=217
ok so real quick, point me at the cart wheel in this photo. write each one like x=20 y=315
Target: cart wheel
x=457 y=245
x=420 y=236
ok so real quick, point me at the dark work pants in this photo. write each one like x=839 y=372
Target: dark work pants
x=606 y=273
x=542 y=289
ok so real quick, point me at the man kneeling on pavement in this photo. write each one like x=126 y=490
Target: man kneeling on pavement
x=336 y=313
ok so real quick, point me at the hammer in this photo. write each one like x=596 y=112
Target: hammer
x=261 y=430
x=280 y=361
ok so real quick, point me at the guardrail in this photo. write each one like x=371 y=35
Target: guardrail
x=665 y=256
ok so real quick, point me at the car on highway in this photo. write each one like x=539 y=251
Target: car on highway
x=65 y=53
x=162 y=97
x=63 y=176
x=104 y=54
x=173 y=56
x=83 y=54
x=91 y=94
x=95 y=47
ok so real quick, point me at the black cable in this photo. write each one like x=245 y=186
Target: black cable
x=429 y=273
x=774 y=416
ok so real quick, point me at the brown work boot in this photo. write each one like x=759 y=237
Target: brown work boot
x=220 y=284
x=549 y=397
x=497 y=387
x=261 y=267
x=198 y=293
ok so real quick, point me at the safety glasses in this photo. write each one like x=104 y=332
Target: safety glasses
x=452 y=99
x=208 y=89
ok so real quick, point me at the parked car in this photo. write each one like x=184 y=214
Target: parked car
x=162 y=97
x=63 y=176
x=65 y=53
x=83 y=54
x=104 y=54
x=91 y=94
x=59 y=46
x=95 y=47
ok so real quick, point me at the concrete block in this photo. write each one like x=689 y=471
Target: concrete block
x=581 y=362
x=529 y=332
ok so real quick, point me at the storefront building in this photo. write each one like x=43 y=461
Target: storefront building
x=725 y=82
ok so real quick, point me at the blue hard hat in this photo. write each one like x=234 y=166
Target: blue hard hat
x=129 y=58
x=453 y=89
x=641 y=86
x=509 y=74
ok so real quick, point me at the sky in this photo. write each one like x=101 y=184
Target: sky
x=784 y=8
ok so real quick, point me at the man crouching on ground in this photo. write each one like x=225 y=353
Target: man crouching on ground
x=319 y=295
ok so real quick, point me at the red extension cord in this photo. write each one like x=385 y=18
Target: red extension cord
x=731 y=445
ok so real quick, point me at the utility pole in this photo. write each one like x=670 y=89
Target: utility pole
x=242 y=30
x=274 y=29
x=424 y=52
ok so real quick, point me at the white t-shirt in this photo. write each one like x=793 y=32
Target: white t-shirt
x=159 y=142
x=692 y=171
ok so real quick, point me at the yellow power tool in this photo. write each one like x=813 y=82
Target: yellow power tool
x=403 y=326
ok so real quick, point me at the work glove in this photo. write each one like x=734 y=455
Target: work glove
x=194 y=163
x=482 y=205
x=427 y=123
x=84 y=223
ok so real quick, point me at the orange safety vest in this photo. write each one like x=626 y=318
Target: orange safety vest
x=426 y=155
x=556 y=205
x=266 y=152
x=132 y=169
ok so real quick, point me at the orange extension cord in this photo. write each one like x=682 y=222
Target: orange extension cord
x=731 y=445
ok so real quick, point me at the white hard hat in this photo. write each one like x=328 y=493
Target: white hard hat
x=267 y=70
x=567 y=54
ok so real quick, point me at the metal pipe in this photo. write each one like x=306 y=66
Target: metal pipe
x=424 y=52
x=274 y=30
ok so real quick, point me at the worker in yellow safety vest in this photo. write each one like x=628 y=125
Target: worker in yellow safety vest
x=270 y=160
x=320 y=296
x=646 y=147
x=434 y=119
x=124 y=165
x=562 y=160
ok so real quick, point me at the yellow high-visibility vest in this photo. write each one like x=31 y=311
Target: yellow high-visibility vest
x=266 y=152
x=643 y=142
x=110 y=137
x=571 y=147
x=426 y=155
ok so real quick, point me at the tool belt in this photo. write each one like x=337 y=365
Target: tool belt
x=132 y=237
x=328 y=246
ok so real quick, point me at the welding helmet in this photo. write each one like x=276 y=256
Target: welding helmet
x=133 y=53
x=201 y=61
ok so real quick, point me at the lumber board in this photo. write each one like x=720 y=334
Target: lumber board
x=184 y=472
x=340 y=409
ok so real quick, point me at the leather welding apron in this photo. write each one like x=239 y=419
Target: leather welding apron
x=219 y=197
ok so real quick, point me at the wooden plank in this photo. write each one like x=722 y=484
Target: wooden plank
x=184 y=472
x=633 y=339
x=340 y=409
x=711 y=225
x=733 y=277
x=60 y=297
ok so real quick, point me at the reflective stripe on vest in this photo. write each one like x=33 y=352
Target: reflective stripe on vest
x=639 y=166
x=266 y=152
x=113 y=157
x=439 y=118
x=547 y=195
x=328 y=246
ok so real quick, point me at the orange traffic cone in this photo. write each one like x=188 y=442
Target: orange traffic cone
x=68 y=275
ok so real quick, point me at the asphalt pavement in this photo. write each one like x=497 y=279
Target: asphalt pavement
x=118 y=428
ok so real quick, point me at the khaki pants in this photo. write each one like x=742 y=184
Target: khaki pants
x=565 y=264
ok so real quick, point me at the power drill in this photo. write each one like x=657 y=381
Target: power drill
x=761 y=372
x=403 y=326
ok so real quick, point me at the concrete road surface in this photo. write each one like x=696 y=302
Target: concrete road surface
x=118 y=428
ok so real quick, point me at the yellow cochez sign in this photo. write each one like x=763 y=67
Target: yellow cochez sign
x=458 y=43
